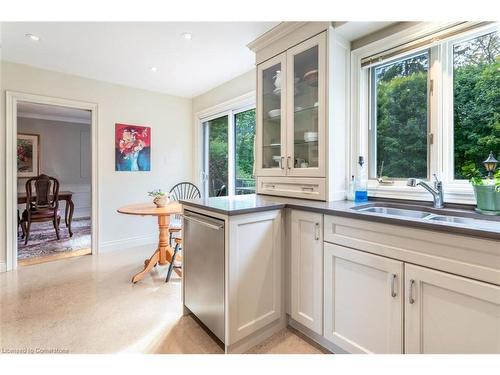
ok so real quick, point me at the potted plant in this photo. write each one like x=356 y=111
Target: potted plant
x=161 y=199
x=487 y=190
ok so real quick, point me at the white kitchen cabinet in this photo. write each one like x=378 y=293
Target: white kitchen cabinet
x=271 y=115
x=445 y=313
x=363 y=301
x=298 y=74
x=255 y=270
x=307 y=269
x=291 y=111
x=306 y=111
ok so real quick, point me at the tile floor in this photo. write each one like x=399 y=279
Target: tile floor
x=88 y=305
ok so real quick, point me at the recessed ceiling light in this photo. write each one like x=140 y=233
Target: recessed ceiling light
x=154 y=69
x=187 y=36
x=33 y=37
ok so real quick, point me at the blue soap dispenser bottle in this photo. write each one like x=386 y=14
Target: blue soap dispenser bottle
x=361 y=190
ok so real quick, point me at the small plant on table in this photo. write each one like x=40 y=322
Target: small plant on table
x=160 y=198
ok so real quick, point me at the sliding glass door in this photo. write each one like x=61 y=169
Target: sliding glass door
x=215 y=174
x=244 y=135
x=228 y=153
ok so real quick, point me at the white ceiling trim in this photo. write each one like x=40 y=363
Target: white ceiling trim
x=70 y=119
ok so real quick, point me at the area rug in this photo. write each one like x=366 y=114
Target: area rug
x=43 y=240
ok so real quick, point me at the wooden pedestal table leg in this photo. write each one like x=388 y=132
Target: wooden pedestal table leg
x=160 y=255
x=163 y=245
x=150 y=264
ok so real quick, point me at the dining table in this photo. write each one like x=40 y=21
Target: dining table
x=62 y=196
x=164 y=252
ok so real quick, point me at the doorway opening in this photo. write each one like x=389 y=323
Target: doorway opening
x=53 y=141
x=51 y=179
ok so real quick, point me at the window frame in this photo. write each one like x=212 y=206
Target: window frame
x=440 y=145
x=229 y=108
x=449 y=104
x=372 y=113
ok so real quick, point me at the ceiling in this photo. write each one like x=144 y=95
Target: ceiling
x=125 y=52
x=53 y=112
x=355 y=30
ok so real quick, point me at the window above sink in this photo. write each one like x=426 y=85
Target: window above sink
x=415 y=106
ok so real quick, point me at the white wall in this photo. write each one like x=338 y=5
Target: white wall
x=169 y=117
x=65 y=153
x=238 y=86
x=2 y=169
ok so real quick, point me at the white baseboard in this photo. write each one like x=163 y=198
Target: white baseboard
x=82 y=212
x=125 y=243
x=3 y=267
x=257 y=337
x=315 y=337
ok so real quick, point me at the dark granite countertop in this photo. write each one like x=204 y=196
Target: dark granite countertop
x=243 y=204
x=236 y=205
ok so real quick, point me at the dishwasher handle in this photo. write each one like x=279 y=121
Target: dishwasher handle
x=203 y=222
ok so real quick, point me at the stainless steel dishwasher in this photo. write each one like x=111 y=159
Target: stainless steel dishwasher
x=203 y=262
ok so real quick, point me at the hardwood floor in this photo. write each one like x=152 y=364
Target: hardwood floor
x=53 y=257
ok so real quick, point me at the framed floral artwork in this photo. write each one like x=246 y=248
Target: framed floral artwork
x=28 y=155
x=132 y=148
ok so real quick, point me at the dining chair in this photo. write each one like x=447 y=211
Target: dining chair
x=19 y=221
x=222 y=192
x=182 y=190
x=43 y=205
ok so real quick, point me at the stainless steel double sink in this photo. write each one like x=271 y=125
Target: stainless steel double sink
x=428 y=214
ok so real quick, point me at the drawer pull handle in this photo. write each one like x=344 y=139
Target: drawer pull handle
x=316 y=231
x=411 y=299
x=307 y=188
x=393 y=286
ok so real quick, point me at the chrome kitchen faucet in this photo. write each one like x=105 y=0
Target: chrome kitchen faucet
x=437 y=191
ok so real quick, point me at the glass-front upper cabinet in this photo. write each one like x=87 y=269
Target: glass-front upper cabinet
x=271 y=113
x=306 y=113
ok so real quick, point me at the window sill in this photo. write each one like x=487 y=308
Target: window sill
x=452 y=194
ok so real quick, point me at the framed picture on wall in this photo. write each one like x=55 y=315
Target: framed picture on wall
x=28 y=155
x=132 y=148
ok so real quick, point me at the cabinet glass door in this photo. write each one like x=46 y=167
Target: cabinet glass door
x=271 y=96
x=306 y=108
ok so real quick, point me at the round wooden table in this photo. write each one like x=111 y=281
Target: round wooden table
x=163 y=253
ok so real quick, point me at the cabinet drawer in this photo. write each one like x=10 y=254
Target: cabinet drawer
x=307 y=188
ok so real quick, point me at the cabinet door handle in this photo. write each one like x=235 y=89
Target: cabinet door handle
x=282 y=162
x=316 y=231
x=410 y=292
x=393 y=285
x=288 y=158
